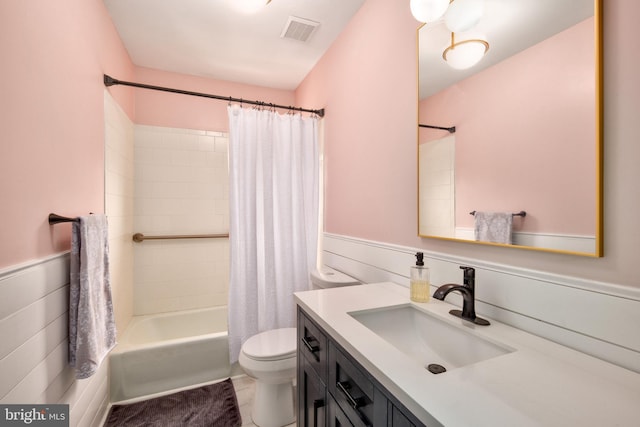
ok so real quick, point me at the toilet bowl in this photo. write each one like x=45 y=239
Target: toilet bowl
x=270 y=358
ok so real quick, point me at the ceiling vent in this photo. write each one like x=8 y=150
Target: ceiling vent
x=299 y=29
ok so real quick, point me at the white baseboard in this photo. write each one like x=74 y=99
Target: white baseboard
x=596 y=318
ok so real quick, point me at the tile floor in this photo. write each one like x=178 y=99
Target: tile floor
x=245 y=389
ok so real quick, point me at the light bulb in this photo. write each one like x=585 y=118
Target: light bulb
x=463 y=15
x=428 y=10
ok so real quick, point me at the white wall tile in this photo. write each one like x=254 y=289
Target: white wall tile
x=119 y=205
x=181 y=187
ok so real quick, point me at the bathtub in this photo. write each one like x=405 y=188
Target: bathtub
x=165 y=352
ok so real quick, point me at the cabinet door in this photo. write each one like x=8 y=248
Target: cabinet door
x=399 y=419
x=311 y=396
x=336 y=418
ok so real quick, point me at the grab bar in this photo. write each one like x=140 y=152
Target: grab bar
x=139 y=237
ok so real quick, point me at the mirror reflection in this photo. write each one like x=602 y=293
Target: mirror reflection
x=522 y=128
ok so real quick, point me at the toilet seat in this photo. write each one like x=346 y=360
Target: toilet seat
x=275 y=344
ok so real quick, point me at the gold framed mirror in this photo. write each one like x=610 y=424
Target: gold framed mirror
x=518 y=135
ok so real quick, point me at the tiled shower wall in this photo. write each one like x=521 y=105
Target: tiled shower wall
x=181 y=188
x=119 y=193
x=437 y=187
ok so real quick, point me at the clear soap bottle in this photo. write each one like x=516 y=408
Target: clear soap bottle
x=420 y=280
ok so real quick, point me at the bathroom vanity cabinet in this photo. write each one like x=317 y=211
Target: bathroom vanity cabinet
x=357 y=367
x=335 y=390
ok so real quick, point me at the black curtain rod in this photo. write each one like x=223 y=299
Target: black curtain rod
x=452 y=129
x=110 y=81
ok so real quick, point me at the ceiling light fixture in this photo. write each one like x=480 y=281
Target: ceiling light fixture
x=428 y=10
x=465 y=54
x=463 y=15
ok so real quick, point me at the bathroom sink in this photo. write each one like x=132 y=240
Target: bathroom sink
x=427 y=339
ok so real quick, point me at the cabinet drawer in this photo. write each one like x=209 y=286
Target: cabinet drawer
x=352 y=389
x=312 y=344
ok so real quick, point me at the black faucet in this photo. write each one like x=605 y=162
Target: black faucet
x=468 y=295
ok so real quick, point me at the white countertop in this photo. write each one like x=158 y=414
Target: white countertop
x=539 y=384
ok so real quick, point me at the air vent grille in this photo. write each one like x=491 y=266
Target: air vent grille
x=299 y=29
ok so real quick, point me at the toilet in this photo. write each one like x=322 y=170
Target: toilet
x=270 y=358
x=326 y=277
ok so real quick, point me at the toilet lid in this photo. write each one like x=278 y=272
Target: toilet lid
x=273 y=344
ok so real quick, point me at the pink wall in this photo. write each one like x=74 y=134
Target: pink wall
x=51 y=119
x=367 y=82
x=181 y=111
x=52 y=116
x=526 y=143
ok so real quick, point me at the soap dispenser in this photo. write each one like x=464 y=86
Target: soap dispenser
x=420 y=280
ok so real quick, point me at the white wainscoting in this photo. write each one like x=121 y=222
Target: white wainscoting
x=558 y=242
x=34 y=302
x=596 y=318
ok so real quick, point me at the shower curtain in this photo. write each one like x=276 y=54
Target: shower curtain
x=273 y=230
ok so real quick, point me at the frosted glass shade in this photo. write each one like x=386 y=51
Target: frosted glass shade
x=463 y=15
x=428 y=10
x=465 y=54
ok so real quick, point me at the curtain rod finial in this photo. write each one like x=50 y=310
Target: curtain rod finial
x=109 y=81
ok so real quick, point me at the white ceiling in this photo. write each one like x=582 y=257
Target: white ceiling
x=212 y=38
x=508 y=25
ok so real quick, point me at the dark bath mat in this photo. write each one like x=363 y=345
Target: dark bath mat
x=214 y=405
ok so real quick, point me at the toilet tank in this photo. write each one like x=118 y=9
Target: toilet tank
x=327 y=277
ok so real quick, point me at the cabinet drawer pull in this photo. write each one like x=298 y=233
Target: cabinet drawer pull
x=355 y=402
x=313 y=348
x=317 y=404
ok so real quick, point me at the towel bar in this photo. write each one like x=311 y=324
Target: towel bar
x=521 y=213
x=57 y=219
